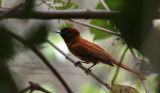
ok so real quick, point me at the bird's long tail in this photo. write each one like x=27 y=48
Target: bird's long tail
x=114 y=61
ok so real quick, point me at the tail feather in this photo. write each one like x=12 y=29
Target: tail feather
x=114 y=61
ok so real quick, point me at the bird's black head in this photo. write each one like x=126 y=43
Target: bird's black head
x=69 y=32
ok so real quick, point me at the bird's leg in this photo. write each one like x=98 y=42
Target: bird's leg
x=79 y=62
x=88 y=69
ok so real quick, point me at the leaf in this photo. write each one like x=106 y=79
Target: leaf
x=104 y=24
x=158 y=27
x=114 y=5
x=0 y=3
x=69 y=4
x=122 y=89
x=76 y=6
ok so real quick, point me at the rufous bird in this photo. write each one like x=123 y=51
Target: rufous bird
x=88 y=51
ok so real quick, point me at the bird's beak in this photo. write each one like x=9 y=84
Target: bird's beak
x=58 y=31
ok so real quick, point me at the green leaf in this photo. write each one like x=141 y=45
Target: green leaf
x=114 y=5
x=76 y=6
x=0 y=3
x=158 y=27
x=100 y=23
x=69 y=4
x=123 y=89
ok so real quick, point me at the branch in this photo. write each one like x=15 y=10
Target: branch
x=95 y=27
x=63 y=14
x=44 y=60
x=79 y=65
x=134 y=56
x=117 y=70
x=34 y=86
x=104 y=5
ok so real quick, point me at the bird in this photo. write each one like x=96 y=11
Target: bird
x=89 y=52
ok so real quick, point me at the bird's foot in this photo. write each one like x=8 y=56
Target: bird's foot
x=79 y=62
x=87 y=71
x=76 y=63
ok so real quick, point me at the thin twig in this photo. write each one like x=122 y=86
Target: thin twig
x=79 y=65
x=34 y=86
x=95 y=27
x=121 y=60
x=137 y=67
x=146 y=86
x=137 y=61
x=134 y=56
x=104 y=5
x=41 y=56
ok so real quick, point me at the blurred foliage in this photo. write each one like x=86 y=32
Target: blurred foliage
x=158 y=27
x=114 y=5
x=59 y=4
x=37 y=34
x=67 y=24
x=47 y=48
x=123 y=89
x=6 y=45
x=0 y=3
x=140 y=56
x=104 y=24
x=27 y=8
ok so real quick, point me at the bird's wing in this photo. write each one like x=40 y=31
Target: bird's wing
x=92 y=53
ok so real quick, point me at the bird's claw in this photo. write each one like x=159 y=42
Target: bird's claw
x=87 y=71
x=76 y=63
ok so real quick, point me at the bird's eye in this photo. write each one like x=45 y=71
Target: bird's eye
x=64 y=32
